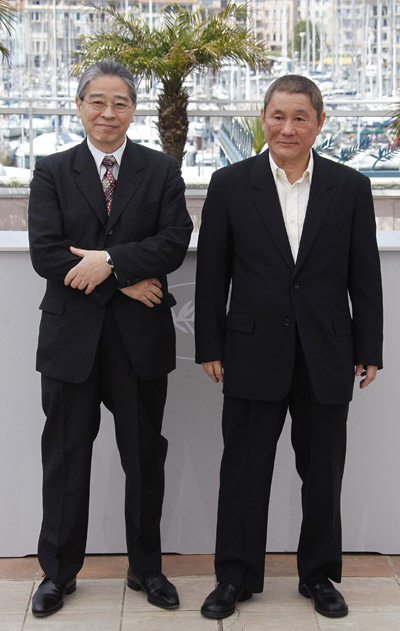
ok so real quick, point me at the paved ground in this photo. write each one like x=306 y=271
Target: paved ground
x=371 y=586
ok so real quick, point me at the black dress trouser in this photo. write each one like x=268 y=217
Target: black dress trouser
x=72 y=424
x=251 y=430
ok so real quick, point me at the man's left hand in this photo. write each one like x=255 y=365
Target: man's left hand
x=368 y=373
x=89 y=272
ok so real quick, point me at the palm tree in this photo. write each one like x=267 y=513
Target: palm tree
x=183 y=42
x=7 y=17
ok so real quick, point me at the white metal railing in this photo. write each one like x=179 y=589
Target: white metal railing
x=29 y=107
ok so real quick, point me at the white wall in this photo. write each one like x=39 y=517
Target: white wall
x=371 y=510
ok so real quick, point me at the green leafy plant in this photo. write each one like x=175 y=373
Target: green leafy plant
x=254 y=126
x=183 y=41
x=7 y=19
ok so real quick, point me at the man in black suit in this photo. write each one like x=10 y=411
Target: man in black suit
x=107 y=223
x=294 y=236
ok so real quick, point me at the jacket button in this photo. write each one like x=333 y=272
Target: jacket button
x=296 y=285
x=110 y=232
x=287 y=322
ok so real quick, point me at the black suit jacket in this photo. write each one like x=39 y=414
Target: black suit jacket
x=243 y=242
x=146 y=234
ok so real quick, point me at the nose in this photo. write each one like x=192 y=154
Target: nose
x=288 y=127
x=108 y=111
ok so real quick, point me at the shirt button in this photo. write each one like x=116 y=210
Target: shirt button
x=287 y=322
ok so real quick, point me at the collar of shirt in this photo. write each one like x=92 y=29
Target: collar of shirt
x=293 y=199
x=277 y=172
x=99 y=155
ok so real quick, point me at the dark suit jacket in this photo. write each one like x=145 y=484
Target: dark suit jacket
x=243 y=241
x=146 y=234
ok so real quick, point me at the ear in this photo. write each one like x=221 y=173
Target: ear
x=78 y=106
x=321 y=121
x=133 y=113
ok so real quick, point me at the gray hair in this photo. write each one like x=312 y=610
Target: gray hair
x=105 y=68
x=296 y=84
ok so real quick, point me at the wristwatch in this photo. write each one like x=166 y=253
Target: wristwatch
x=109 y=260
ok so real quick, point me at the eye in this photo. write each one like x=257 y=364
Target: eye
x=120 y=107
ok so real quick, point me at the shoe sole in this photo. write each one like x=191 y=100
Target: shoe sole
x=138 y=588
x=44 y=614
x=328 y=614
x=220 y=616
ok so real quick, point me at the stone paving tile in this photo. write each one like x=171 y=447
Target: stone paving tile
x=65 y=620
x=366 y=565
x=167 y=621
x=19 y=567
x=371 y=594
x=395 y=561
x=279 y=593
x=188 y=564
x=280 y=565
x=362 y=621
x=11 y=622
x=277 y=564
x=282 y=620
x=14 y=596
x=104 y=566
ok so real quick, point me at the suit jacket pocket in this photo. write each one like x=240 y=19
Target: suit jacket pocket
x=240 y=322
x=343 y=327
x=52 y=305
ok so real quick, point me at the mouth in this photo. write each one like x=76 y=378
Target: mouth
x=105 y=126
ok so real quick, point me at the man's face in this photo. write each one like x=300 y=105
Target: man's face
x=106 y=129
x=290 y=125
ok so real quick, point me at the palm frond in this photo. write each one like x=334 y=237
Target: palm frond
x=8 y=17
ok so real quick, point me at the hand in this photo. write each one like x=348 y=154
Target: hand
x=147 y=291
x=89 y=272
x=214 y=370
x=369 y=374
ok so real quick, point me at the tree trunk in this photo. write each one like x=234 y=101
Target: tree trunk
x=173 y=123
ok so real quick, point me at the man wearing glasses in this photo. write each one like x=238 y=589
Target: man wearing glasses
x=107 y=223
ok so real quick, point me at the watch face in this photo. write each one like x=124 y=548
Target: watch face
x=109 y=261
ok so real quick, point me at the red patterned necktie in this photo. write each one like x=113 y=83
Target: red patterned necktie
x=108 y=181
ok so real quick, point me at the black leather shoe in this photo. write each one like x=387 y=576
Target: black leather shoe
x=327 y=600
x=160 y=592
x=49 y=597
x=222 y=601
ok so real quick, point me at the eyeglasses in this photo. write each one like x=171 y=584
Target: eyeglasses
x=100 y=106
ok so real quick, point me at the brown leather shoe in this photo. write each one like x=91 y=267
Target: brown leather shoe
x=49 y=597
x=159 y=590
x=222 y=601
x=327 y=600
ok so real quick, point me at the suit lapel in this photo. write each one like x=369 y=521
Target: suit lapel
x=88 y=181
x=129 y=177
x=267 y=202
x=318 y=204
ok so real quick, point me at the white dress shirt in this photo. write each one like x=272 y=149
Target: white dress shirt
x=293 y=199
x=99 y=155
